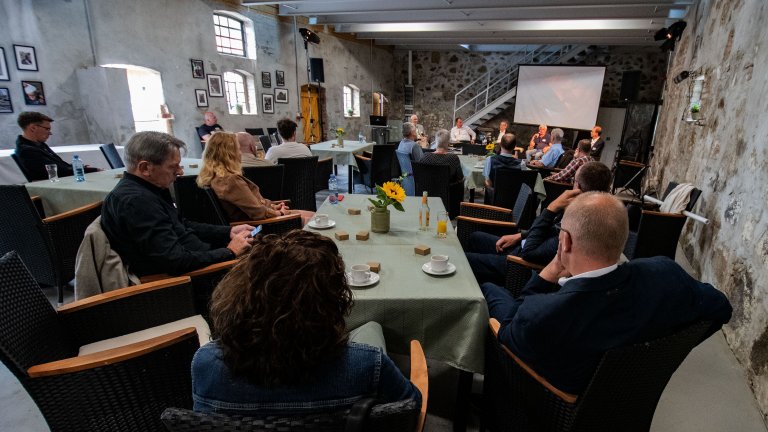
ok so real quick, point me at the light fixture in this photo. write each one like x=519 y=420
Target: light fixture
x=309 y=36
x=670 y=35
x=682 y=76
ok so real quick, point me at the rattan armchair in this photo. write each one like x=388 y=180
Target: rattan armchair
x=480 y=217
x=323 y=173
x=118 y=389
x=435 y=180
x=658 y=234
x=554 y=189
x=299 y=182
x=269 y=179
x=274 y=225
x=191 y=200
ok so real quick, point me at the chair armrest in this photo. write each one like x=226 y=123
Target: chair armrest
x=367 y=154
x=360 y=157
x=212 y=268
x=670 y=215
x=276 y=219
x=72 y=213
x=522 y=262
x=37 y=201
x=420 y=379
x=485 y=207
x=489 y=222
x=111 y=356
x=631 y=163
x=94 y=301
x=483 y=211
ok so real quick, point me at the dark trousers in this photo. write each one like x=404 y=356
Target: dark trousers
x=499 y=300
x=487 y=264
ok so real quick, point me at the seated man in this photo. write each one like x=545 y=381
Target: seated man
x=289 y=148
x=210 y=126
x=539 y=141
x=487 y=253
x=32 y=151
x=461 y=133
x=552 y=152
x=580 y=157
x=248 y=151
x=419 y=128
x=597 y=142
x=409 y=144
x=143 y=225
x=597 y=305
x=505 y=159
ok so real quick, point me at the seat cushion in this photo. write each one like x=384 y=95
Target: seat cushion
x=197 y=321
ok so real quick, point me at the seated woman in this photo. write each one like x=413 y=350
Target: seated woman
x=281 y=344
x=441 y=156
x=240 y=198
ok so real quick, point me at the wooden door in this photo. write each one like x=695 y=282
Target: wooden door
x=310 y=114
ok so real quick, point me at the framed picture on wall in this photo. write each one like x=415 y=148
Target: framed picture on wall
x=4 y=74
x=279 y=79
x=215 y=88
x=268 y=101
x=266 y=80
x=201 y=96
x=6 y=106
x=281 y=95
x=33 y=92
x=198 y=71
x=26 y=59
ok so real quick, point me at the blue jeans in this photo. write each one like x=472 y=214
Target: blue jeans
x=487 y=264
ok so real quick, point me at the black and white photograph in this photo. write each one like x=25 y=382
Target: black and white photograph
x=215 y=88
x=269 y=103
x=6 y=106
x=4 y=74
x=198 y=71
x=26 y=59
x=266 y=80
x=281 y=95
x=33 y=92
x=201 y=96
x=279 y=79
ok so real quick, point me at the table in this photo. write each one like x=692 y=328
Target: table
x=472 y=167
x=341 y=155
x=448 y=315
x=90 y=154
x=67 y=194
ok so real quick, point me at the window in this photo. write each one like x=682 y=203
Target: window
x=240 y=92
x=229 y=35
x=351 y=101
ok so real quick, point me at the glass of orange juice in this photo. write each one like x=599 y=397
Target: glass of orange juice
x=442 y=224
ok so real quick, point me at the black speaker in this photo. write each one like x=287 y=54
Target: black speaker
x=316 y=70
x=630 y=84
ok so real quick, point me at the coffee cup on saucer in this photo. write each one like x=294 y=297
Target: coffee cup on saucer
x=361 y=273
x=439 y=263
x=321 y=219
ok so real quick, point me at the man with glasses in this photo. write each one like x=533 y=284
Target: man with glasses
x=32 y=151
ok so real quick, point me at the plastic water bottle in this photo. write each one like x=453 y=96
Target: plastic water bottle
x=333 y=188
x=78 y=169
x=361 y=138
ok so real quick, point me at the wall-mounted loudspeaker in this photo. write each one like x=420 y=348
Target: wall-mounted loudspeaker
x=630 y=85
x=316 y=70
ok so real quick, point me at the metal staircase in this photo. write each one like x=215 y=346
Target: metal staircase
x=492 y=93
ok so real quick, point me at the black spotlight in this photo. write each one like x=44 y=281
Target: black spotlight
x=675 y=31
x=660 y=35
x=309 y=36
x=682 y=76
x=670 y=35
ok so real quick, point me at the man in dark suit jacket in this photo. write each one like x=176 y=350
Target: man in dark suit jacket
x=597 y=142
x=582 y=304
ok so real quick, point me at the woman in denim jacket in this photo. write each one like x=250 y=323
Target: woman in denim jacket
x=282 y=345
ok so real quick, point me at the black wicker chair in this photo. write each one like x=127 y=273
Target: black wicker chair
x=323 y=174
x=480 y=217
x=378 y=167
x=265 y=142
x=269 y=179
x=435 y=179
x=22 y=168
x=408 y=183
x=122 y=389
x=364 y=415
x=111 y=155
x=621 y=396
x=506 y=186
x=554 y=189
x=255 y=131
x=299 y=183
x=473 y=149
x=192 y=201
x=275 y=225
x=658 y=234
x=48 y=246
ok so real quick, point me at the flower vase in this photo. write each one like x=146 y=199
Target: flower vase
x=380 y=220
x=340 y=141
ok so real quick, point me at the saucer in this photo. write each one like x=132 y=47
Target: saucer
x=374 y=278
x=312 y=224
x=427 y=267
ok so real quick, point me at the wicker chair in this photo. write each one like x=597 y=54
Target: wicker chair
x=435 y=180
x=473 y=149
x=255 y=131
x=192 y=202
x=269 y=179
x=404 y=160
x=658 y=234
x=554 y=189
x=323 y=173
x=507 y=185
x=299 y=182
x=378 y=167
x=274 y=225
x=480 y=217
x=265 y=142
x=22 y=168
x=111 y=155
x=621 y=396
x=365 y=416
x=48 y=246
x=121 y=389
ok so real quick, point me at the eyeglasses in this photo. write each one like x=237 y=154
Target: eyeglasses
x=48 y=128
x=559 y=227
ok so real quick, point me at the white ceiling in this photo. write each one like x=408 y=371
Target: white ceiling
x=485 y=24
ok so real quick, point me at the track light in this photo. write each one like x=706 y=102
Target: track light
x=682 y=76
x=670 y=35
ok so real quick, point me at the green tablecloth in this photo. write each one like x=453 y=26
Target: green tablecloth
x=448 y=314
x=341 y=155
x=472 y=167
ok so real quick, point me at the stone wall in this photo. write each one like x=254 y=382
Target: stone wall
x=725 y=156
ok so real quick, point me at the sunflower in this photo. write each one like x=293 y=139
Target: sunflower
x=394 y=191
x=490 y=146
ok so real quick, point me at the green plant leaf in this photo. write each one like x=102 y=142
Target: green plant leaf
x=398 y=206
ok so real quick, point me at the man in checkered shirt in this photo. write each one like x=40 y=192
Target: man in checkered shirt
x=579 y=158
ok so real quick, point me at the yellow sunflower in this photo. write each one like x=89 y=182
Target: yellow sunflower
x=490 y=146
x=394 y=191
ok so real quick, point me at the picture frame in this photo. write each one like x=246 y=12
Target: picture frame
x=198 y=69
x=33 y=91
x=279 y=79
x=266 y=80
x=201 y=96
x=5 y=74
x=6 y=105
x=26 y=58
x=281 y=95
x=268 y=103
x=215 y=86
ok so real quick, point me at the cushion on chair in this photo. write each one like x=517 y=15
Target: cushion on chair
x=197 y=321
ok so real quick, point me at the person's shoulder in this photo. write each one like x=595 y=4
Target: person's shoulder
x=207 y=354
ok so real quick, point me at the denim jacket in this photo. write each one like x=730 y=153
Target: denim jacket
x=361 y=371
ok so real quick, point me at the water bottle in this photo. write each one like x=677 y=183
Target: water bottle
x=361 y=138
x=78 y=169
x=333 y=188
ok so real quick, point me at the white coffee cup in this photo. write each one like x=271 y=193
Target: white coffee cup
x=321 y=219
x=361 y=273
x=439 y=263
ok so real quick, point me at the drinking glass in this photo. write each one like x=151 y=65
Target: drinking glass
x=442 y=224
x=53 y=172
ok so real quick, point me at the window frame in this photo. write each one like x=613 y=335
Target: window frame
x=218 y=33
x=353 y=101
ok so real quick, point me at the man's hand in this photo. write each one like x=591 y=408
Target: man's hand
x=563 y=201
x=239 y=229
x=240 y=242
x=507 y=241
x=554 y=270
x=535 y=163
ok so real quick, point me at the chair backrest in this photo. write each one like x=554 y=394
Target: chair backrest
x=554 y=190
x=269 y=179
x=695 y=195
x=473 y=149
x=272 y=132
x=192 y=201
x=21 y=166
x=323 y=173
x=265 y=142
x=255 y=131
x=564 y=159
x=657 y=235
x=524 y=210
x=299 y=182
x=111 y=155
x=382 y=161
x=507 y=183
x=217 y=208
x=276 y=138
x=435 y=179
x=404 y=159
x=363 y=169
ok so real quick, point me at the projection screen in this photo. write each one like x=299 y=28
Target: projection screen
x=559 y=96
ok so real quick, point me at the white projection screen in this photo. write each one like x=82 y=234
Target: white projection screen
x=559 y=96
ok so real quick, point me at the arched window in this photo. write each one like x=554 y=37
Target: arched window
x=240 y=91
x=351 y=101
x=230 y=36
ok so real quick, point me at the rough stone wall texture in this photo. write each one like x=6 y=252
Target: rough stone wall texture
x=725 y=156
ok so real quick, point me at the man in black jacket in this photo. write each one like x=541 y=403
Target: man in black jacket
x=143 y=225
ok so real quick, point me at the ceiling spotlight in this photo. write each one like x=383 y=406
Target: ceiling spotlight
x=682 y=76
x=309 y=36
x=660 y=35
x=675 y=31
x=670 y=35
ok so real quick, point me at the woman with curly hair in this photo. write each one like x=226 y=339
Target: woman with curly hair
x=240 y=198
x=281 y=344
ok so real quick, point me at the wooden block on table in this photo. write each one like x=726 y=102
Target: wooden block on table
x=353 y=211
x=341 y=235
x=422 y=250
x=362 y=235
x=375 y=266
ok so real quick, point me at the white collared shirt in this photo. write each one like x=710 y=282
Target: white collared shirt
x=590 y=274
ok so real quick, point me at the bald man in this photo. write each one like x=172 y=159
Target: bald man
x=210 y=126
x=583 y=304
x=248 y=151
